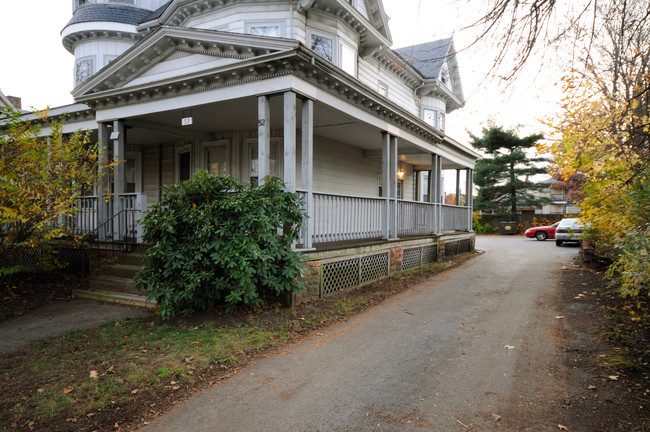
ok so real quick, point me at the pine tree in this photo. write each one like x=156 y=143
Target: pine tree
x=503 y=176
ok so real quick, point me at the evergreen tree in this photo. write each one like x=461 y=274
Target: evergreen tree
x=502 y=177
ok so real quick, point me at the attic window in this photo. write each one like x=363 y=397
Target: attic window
x=264 y=29
x=444 y=76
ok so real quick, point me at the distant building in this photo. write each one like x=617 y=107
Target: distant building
x=561 y=203
x=9 y=101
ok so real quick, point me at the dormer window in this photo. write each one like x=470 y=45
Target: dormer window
x=444 y=76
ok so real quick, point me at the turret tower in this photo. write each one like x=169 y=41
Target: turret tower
x=101 y=30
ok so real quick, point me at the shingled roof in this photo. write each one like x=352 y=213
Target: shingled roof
x=108 y=12
x=158 y=12
x=427 y=58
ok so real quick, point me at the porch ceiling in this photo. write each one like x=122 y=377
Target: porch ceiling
x=208 y=121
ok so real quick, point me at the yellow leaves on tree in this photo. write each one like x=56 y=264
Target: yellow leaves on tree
x=40 y=178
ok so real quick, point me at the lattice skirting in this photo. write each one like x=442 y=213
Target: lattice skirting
x=353 y=272
x=417 y=256
x=71 y=259
x=458 y=247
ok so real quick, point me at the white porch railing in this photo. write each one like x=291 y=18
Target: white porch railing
x=415 y=217
x=347 y=217
x=455 y=217
x=131 y=205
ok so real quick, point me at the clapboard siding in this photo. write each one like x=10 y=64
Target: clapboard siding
x=338 y=168
x=371 y=72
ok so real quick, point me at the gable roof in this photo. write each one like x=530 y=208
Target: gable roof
x=163 y=42
x=427 y=58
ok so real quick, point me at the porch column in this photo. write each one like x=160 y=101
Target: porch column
x=432 y=193
x=393 y=187
x=457 y=187
x=264 y=137
x=308 y=169
x=385 y=183
x=103 y=181
x=437 y=179
x=119 y=178
x=290 y=141
x=469 y=200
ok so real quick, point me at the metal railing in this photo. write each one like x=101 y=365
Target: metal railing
x=104 y=248
x=84 y=220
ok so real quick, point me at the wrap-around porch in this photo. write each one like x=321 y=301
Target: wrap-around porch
x=359 y=181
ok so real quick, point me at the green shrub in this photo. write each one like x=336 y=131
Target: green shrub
x=217 y=241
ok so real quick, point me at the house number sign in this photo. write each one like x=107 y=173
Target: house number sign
x=186 y=121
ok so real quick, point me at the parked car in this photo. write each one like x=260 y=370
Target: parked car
x=542 y=233
x=569 y=230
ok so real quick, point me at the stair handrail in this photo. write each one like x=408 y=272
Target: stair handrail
x=111 y=246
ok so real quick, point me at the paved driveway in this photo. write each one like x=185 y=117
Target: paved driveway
x=461 y=352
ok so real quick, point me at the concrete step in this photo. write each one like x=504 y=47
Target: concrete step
x=134 y=258
x=122 y=270
x=112 y=283
x=116 y=297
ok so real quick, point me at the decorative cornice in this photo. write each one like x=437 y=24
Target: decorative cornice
x=397 y=66
x=299 y=62
x=71 y=40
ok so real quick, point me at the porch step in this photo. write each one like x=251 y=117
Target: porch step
x=116 y=297
x=125 y=271
x=133 y=259
x=112 y=283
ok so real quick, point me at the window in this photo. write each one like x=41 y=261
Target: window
x=264 y=29
x=383 y=88
x=400 y=189
x=348 y=59
x=216 y=157
x=183 y=163
x=323 y=46
x=184 y=166
x=434 y=118
x=83 y=70
x=253 y=169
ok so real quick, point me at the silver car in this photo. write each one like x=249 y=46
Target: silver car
x=569 y=230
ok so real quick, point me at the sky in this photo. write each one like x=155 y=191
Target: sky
x=35 y=66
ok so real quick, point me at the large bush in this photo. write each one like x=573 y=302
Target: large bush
x=216 y=241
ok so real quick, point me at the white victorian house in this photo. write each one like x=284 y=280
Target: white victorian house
x=307 y=90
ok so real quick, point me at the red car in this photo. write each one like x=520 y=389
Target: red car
x=543 y=232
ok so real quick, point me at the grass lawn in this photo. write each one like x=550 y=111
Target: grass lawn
x=122 y=374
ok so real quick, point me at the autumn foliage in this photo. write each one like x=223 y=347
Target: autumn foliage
x=40 y=179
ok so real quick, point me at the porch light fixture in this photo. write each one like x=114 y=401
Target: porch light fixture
x=400 y=174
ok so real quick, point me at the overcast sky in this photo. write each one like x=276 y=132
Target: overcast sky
x=35 y=66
